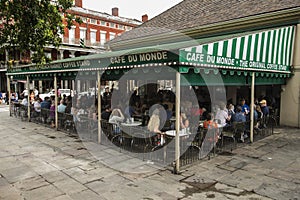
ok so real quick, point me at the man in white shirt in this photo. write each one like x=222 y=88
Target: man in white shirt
x=24 y=101
x=36 y=92
x=37 y=106
x=222 y=115
x=25 y=93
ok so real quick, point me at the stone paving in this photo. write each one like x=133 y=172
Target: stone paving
x=40 y=163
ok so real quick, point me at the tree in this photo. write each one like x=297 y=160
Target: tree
x=34 y=24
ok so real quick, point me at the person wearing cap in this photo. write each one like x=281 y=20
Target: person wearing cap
x=264 y=107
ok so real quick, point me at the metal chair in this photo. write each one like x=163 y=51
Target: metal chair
x=209 y=141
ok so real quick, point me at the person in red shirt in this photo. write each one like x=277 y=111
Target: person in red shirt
x=209 y=122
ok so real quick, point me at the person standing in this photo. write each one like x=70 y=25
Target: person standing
x=106 y=97
x=62 y=107
x=37 y=107
x=36 y=92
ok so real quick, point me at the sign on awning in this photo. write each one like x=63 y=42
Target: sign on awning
x=263 y=51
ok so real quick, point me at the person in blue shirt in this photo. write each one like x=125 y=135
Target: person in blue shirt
x=240 y=117
x=245 y=107
x=46 y=103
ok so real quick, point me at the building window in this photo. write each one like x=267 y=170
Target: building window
x=112 y=25
x=82 y=33
x=48 y=55
x=102 y=37
x=72 y=35
x=83 y=19
x=121 y=26
x=93 y=21
x=93 y=37
x=82 y=41
x=103 y=23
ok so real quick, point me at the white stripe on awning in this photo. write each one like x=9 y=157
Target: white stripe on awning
x=268 y=50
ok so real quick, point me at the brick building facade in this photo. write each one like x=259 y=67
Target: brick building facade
x=82 y=39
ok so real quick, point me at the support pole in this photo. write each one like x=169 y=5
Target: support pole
x=56 y=104
x=252 y=107
x=177 y=125
x=28 y=98
x=99 y=106
x=8 y=94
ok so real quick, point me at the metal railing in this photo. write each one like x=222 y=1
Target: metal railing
x=199 y=144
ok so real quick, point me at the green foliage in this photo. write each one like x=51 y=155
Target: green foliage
x=33 y=24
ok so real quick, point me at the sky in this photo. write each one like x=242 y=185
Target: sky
x=131 y=8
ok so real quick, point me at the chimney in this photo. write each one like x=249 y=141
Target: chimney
x=78 y=3
x=115 y=11
x=145 y=18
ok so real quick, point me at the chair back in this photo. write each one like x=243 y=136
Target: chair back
x=238 y=127
x=106 y=127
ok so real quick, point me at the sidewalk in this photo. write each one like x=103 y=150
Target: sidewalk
x=40 y=163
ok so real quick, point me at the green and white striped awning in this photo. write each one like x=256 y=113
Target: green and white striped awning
x=269 y=50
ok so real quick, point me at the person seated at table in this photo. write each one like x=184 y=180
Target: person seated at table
x=209 y=122
x=264 y=107
x=222 y=115
x=129 y=111
x=46 y=104
x=154 y=126
x=137 y=108
x=259 y=117
x=204 y=114
x=25 y=101
x=184 y=122
x=231 y=111
x=106 y=113
x=168 y=111
x=244 y=106
x=116 y=117
x=240 y=117
x=37 y=107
